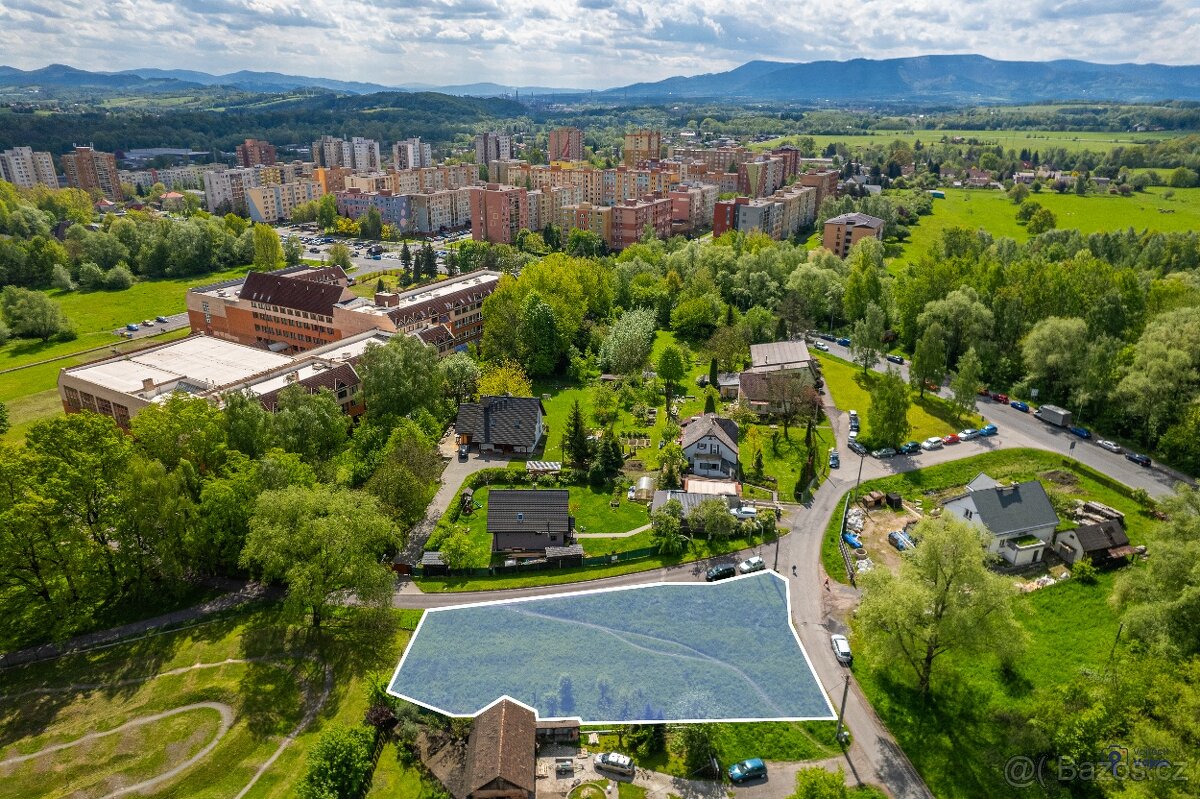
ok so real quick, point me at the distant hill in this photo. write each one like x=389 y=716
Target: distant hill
x=259 y=81
x=957 y=79
x=60 y=76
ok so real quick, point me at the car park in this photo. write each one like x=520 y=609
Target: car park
x=1138 y=458
x=1001 y=398
x=822 y=346
x=841 y=649
x=950 y=439
x=886 y=452
x=988 y=430
x=1023 y=407
x=745 y=512
x=1082 y=432
x=856 y=448
x=835 y=460
x=747 y=770
x=894 y=358
x=968 y=434
x=615 y=762
x=722 y=572
x=1111 y=446
x=910 y=448
x=752 y=564
x=930 y=444
x=845 y=342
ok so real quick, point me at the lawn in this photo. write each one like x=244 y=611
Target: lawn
x=994 y=212
x=1073 y=141
x=394 y=779
x=850 y=389
x=783 y=458
x=1006 y=466
x=660 y=652
x=248 y=659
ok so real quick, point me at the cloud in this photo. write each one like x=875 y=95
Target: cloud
x=573 y=43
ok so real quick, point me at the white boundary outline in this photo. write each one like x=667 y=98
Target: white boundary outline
x=787 y=589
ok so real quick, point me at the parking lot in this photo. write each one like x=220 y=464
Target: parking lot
x=316 y=247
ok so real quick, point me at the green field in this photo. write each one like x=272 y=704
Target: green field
x=1072 y=141
x=992 y=211
x=267 y=673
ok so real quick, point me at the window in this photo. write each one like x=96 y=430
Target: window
x=702 y=447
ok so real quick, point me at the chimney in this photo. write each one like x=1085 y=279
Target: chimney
x=387 y=299
x=147 y=383
x=292 y=377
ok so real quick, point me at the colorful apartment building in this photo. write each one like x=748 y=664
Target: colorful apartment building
x=276 y=202
x=566 y=144
x=641 y=145
x=93 y=171
x=498 y=212
x=254 y=152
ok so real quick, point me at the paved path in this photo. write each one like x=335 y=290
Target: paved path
x=632 y=532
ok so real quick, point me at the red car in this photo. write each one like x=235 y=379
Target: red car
x=950 y=439
x=1001 y=398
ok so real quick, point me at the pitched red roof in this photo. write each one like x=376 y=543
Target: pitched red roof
x=294 y=293
x=501 y=751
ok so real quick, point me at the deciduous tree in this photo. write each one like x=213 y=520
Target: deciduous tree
x=887 y=417
x=398 y=378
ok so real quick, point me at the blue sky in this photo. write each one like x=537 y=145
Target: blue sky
x=575 y=43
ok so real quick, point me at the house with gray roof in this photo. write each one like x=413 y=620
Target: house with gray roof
x=527 y=520
x=502 y=424
x=1104 y=543
x=1020 y=517
x=710 y=443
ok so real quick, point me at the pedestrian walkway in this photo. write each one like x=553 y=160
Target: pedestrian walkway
x=627 y=534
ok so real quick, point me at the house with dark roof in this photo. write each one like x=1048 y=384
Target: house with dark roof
x=710 y=443
x=501 y=754
x=1104 y=543
x=526 y=520
x=777 y=356
x=502 y=424
x=768 y=392
x=1020 y=517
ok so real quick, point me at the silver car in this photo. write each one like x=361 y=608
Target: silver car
x=1111 y=446
x=841 y=649
x=615 y=761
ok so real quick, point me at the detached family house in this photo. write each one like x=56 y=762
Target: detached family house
x=502 y=424
x=710 y=443
x=1019 y=517
x=525 y=520
x=759 y=387
x=1104 y=543
x=501 y=754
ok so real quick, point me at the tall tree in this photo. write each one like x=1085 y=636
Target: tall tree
x=249 y=427
x=406 y=262
x=966 y=382
x=538 y=336
x=407 y=478
x=267 y=250
x=339 y=255
x=398 y=378
x=321 y=542
x=370 y=226
x=31 y=314
x=327 y=211
x=460 y=376
x=504 y=377
x=942 y=598
x=929 y=360
x=310 y=424
x=293 y=250
x=576 y=447
x=628 y=344
x=182 y=428
x=866 y=345
x=887 y=417
x=671 y=368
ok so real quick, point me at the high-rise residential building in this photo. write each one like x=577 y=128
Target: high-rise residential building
x=631 y=217
x=23 y=167
x=225 y=190
x=394 y=209
x=642 y=145
x=761 y=176
x=364 y=155
x=825 y=181
x=692 y=206
x=566 y=144
x=411 y=154
x=843 y=232
x=492 y=146
x=93 y=171
x=498 y=212
x=275 y=202
x=331 y=152
x=254 y=152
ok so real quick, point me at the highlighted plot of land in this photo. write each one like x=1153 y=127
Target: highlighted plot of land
x=680 y=652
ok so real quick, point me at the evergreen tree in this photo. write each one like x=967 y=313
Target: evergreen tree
x=406 y=261
x=712 y=372
x=577 y=450
x=710 y=403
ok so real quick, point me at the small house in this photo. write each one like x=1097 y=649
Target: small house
x=525 y=520
x=502 y=424
x=1019 y=517
x=1104 y=543
x=710 y=443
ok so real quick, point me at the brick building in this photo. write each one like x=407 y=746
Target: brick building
x=566 y=144
x=498 y=212
x=254 y=152
x=91 y=171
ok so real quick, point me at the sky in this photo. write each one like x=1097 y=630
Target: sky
x=574 y=43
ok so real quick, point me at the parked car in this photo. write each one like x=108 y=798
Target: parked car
x=744 y=512
x=1001 y=398
x=722 y=572
x=631 y=493
x=1111 y=446
x=161 y=319
x=752 y=564
x=853 y=540
x=835 y=460
x=463 y=451
x=615 y=761
x=894 y=358
x=147 y=323
x=856 y=448
x=950 y=439
x=131 y=327
x=841 y=649
x=988 y=430
x=910 y=448
x=845 y=342
x=968 y=434
x=826 y=336
x=930 y=444
x=886 y=452
x=1138 y=458
x=822 y=346
x=1023 y=407
x=1082 y=432
x=747 y=770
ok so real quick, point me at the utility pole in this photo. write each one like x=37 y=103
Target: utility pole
x=843 y=735
x=858 y=482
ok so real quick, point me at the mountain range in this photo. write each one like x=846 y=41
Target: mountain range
x=935 y=79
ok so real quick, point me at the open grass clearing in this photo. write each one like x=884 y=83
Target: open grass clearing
x=394 y=778
x=1072 y=141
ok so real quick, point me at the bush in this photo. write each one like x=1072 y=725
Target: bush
x=339 y=764
x=1085 y=572
x=118 y=278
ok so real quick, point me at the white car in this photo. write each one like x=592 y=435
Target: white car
x=753 y=564
x=822 y=346
x=930 y=444
x=968 y=434
x=1111 y=446
x=841 y=649
x=745 y=512
x=615 y=761
x=853 y=435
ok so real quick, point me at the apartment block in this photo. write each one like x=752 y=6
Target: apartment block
x=715 y=159
x=566 y=144
x=761 y=176
x=181 y=177
x=498 y=212
x=358 y=154
x=843 y=232
x=631 y=217
x=411 y=154
x=692 y=206
x=333 y=178
x=93 y=171
x=779 y=216
x=586 y=216
x=642 y=145
x=825 y=181
x=513 y=171
x=545 y=205
x=394 y=209
x=364 y=155
x=140 y=179
x=373 y=182
x=254 y=152
x=225 y=190
x=492 y=146
x=437 y=211
x=276 y=202
x=23 y=167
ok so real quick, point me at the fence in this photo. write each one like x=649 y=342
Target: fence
x=842 y=543
x=543 y=565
